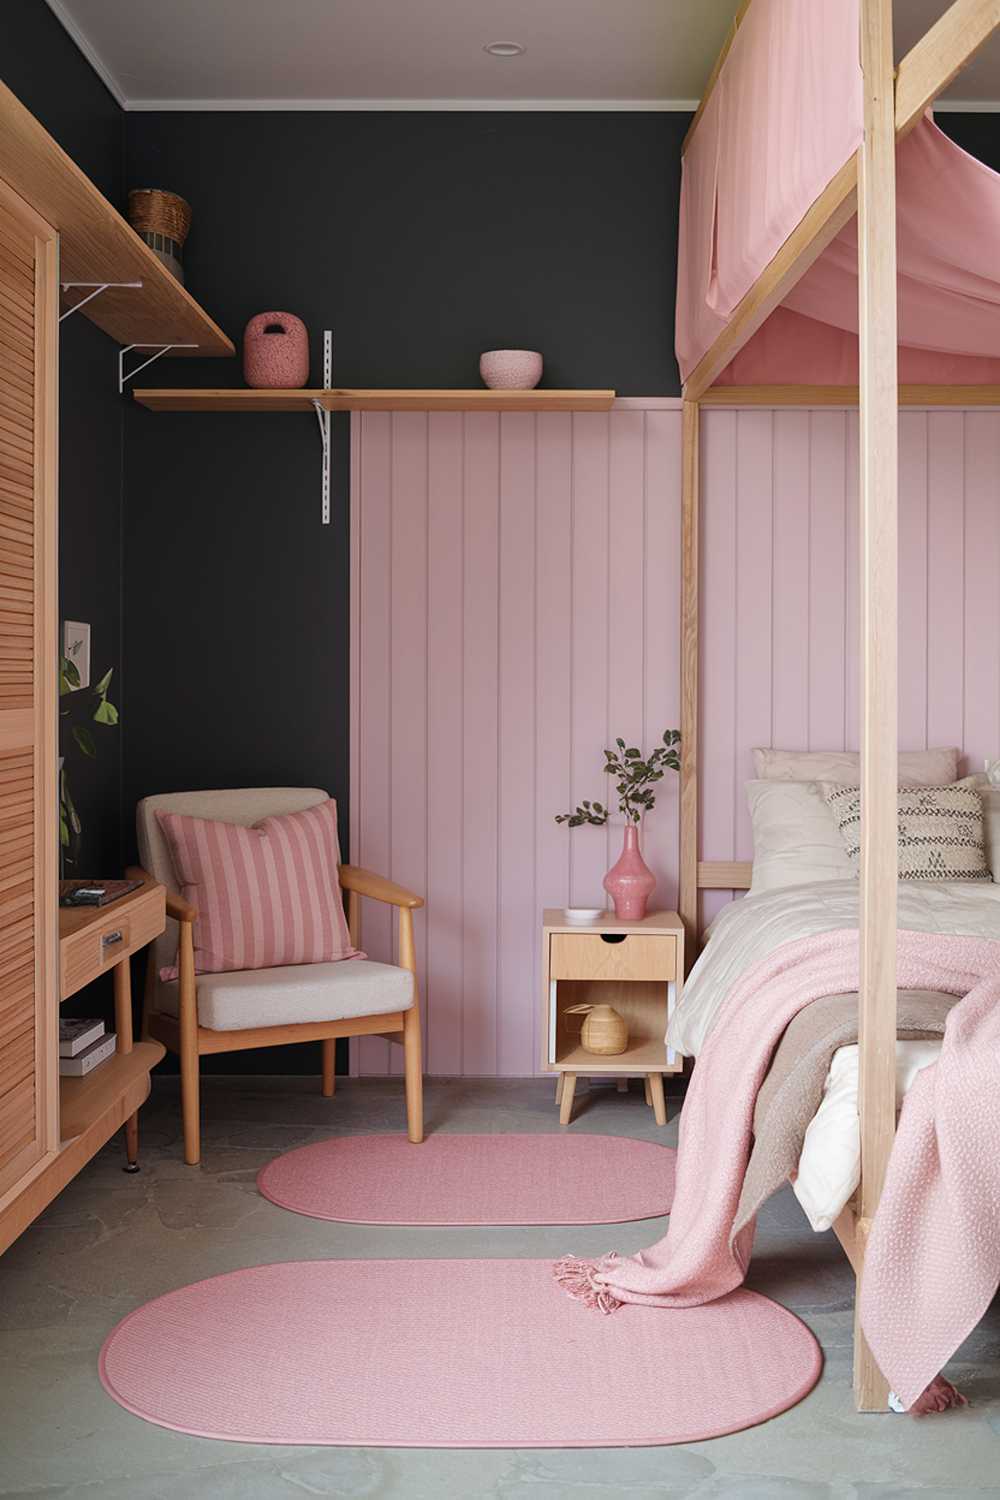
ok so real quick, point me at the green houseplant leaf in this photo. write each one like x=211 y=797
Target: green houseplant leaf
x=634 y=777
x=103 y=712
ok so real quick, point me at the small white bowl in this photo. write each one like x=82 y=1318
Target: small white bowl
x=510 y=369
x=583 y=914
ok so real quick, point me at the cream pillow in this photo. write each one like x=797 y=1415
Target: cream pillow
x=991 y=824
x=916 y=767
x=796 y=840
x=940 y=830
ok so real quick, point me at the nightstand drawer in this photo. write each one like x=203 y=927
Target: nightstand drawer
x=591 y=955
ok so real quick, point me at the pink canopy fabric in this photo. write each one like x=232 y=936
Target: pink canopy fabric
x=765 y=148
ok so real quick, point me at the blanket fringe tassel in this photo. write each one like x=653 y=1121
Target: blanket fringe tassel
x=579 y=1279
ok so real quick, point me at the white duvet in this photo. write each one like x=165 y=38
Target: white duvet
x=748 y=930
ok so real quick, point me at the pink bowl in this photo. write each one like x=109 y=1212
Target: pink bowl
x=510 y=369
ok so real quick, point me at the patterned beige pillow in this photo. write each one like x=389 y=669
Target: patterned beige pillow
x=940 y=830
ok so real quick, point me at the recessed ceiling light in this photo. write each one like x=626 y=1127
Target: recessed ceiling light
x=504 y=49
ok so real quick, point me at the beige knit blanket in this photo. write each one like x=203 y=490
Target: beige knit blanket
x=793 y=1089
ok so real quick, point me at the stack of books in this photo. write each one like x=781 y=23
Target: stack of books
x=83 y=1046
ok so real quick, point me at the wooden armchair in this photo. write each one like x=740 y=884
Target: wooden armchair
x=197 y=1015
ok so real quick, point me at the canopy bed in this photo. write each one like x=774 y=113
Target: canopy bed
x=834 y=243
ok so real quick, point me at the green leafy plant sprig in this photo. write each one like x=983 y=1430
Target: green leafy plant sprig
x=635 y=776
x=104 y=712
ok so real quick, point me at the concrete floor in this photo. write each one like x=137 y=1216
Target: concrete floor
x=111 y=1242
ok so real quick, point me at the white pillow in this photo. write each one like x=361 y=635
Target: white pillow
x=796 y=838
x=916 y=767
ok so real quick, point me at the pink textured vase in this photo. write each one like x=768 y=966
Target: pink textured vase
x=276 y=352
x=630 y=882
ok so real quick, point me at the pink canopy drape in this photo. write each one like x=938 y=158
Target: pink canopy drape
x=784 y=117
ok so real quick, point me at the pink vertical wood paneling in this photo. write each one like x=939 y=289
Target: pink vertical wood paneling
x=717 y=807
x=949 y=563
x=553 y=697
x=480 y=747
x=661 y=639
x=946 y=578
x=790 y=574
x=408 y=564
x=913 y=577
x=752 y=595
x=626 y=600
x=982 y=593
x=516 y=605
x=443 y=918
x=517 y=818
x=827 y=563
x=371 y=845
x=516 y=597
x=852 y=672
x=589 y=647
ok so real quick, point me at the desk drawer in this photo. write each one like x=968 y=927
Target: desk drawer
x=589 y=955
x=105 y=942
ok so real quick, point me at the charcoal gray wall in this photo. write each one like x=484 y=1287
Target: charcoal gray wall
x=41 y=64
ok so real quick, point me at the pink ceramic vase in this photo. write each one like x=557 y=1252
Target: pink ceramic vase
x=276 y=352
x=630 y=882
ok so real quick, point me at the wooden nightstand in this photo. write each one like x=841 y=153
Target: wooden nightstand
x=638 y=968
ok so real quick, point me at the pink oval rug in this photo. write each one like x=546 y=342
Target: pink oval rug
x=474 y=1179
x=449 y=1354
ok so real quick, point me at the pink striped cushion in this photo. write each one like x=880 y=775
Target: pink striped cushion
x=266 y=895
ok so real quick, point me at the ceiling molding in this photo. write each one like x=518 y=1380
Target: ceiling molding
x=597 y=106
x=89 y=51
x=389 y=106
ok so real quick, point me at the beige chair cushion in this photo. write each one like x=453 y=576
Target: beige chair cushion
x=297 y=993
x=244 y=805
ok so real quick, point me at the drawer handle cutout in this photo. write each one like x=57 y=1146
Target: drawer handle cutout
x=111 y=938
x=613 y=937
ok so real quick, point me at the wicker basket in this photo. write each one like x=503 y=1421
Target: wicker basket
x=153 y=211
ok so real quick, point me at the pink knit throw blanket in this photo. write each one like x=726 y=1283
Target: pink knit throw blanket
x=933 y=1258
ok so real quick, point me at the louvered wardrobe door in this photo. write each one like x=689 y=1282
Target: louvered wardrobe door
x=28 y=791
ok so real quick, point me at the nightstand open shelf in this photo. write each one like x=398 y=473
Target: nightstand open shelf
x=635 y=967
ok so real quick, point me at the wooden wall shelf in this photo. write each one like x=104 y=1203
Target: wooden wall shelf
x=374 y=400
x=97 y=245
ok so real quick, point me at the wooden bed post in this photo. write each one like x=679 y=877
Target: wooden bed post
x=688 y=894
x=879 y=398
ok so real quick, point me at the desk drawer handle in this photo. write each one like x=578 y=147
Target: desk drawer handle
x=111 y=938
x=613 y=937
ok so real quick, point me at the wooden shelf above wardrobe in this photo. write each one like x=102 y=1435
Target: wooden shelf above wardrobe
x=375 y=400
x=97 y=245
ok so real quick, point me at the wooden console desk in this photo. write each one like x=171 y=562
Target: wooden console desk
x=93 y=940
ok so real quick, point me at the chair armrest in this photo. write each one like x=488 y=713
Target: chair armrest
x=177 y=907
x=367 y=883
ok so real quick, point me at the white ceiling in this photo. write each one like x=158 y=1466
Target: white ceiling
x=428 y=54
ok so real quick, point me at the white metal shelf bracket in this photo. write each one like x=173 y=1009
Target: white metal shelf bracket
x=323 y=417
x=124 y=376
x=96 y=288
